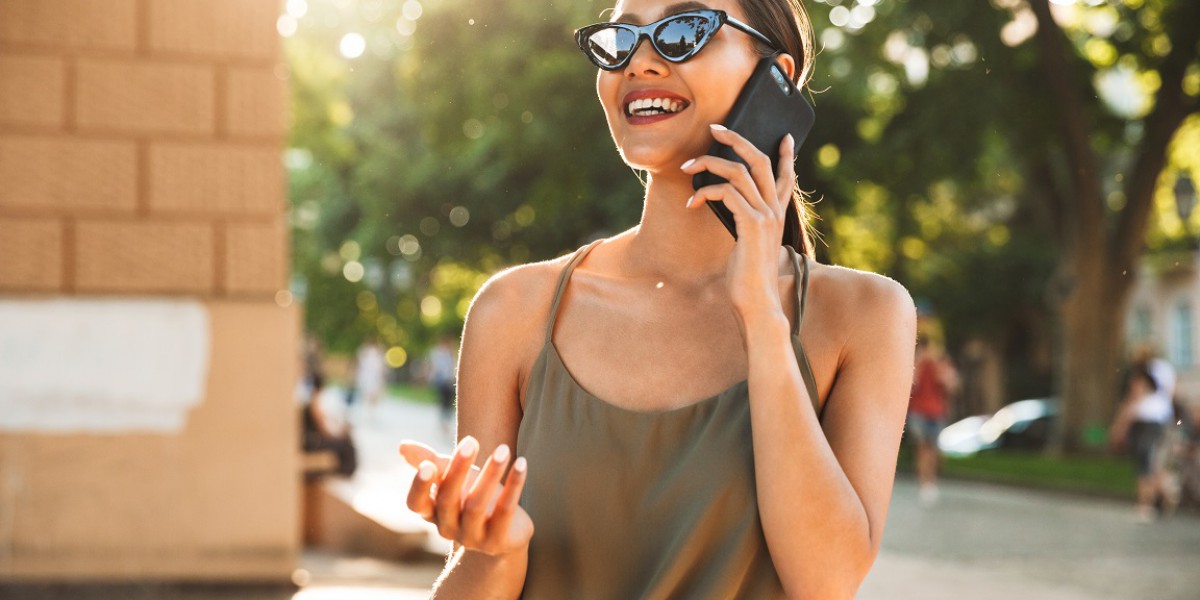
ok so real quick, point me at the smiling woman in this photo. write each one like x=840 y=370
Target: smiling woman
x=686 y=415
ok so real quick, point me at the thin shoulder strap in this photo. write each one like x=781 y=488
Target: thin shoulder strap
x=801 y=288
x=562 y=285
x=806 y=372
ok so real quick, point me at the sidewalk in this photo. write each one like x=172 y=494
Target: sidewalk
x=982 y=541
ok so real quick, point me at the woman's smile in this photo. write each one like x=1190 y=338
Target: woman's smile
x=646 y=106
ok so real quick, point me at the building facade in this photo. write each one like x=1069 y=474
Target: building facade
x=1162 y=313
x=147 y=341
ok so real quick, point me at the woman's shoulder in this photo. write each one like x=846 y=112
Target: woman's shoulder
x=861 y=296
x=518 y=297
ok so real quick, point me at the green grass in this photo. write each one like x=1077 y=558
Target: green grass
x=1096 y=475
x=408 y=392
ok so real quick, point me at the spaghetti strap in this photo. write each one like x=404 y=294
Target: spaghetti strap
x=801 y=288
x=806 y=372
x=562 y=285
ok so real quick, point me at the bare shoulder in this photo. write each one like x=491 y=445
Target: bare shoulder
x=517 y=289
x=861 y=301
x=504 y=329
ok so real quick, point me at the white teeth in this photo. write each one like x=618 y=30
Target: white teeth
x=654 y=106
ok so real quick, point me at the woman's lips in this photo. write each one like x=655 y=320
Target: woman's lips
x=649 y=119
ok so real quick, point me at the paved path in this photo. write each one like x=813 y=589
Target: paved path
x=981 y=541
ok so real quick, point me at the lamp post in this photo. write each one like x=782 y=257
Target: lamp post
x=1185 y=202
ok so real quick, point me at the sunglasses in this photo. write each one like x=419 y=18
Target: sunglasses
x=675 y=38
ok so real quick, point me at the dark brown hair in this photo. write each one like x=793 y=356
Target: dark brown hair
x=786 y=24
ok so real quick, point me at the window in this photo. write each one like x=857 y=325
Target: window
x=1141 y=329
x=1181 y=353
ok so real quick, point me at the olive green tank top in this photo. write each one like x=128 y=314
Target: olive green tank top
x=644 y=505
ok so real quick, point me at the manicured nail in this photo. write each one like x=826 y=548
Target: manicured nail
x=718 y=127
x=425 y=471
x=689 y=202
x=687 y=164
x=501 y=453
x=519 y=465
x=468 y=446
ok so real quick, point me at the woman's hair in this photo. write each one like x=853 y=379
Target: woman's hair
x=1141 y=370
x=786 y=24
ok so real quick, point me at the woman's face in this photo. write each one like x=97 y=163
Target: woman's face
x=706 y=85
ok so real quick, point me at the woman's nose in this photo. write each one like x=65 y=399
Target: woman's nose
x=645 y=61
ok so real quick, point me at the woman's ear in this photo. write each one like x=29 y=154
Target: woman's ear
x=789 y=64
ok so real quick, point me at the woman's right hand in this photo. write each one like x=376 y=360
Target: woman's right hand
x=470 y=505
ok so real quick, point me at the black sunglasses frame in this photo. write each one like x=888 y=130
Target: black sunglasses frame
x=640 y=32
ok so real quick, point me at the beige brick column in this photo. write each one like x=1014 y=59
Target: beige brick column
x=140 y=159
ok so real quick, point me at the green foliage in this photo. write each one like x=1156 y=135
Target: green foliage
x=448 y=150
x=468 y=138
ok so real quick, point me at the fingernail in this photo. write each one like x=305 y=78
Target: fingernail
x=520 y=465
x=791 y=140
x=687 y=164
x=425 y=471
x=689 y=202
x=501 y=453
x=468 y=446
x=718 y=127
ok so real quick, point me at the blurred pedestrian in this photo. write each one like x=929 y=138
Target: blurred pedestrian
x=441 y=367
x=934 y=380
x=325 y=427
x=1140 y=425
x=370 y=372
x=314 y=358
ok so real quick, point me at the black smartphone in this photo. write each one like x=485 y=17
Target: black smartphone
x=769 y=107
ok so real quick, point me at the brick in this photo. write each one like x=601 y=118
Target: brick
x=223 y=28
x=158 y=98
x=216 y=179
x=67 y=174
x=32 y=255
x=256 y=103
x=255 y=258
x=107 y=24
x=31 y=90
x=147 y=256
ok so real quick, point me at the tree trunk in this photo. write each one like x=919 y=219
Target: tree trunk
x=1093 y=335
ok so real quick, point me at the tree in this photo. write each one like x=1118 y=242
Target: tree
x=1100 y=244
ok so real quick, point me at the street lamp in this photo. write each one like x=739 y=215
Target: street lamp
x=1185 y=201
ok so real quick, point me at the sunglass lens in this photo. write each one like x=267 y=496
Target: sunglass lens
x=610 y=45
x=682 y=36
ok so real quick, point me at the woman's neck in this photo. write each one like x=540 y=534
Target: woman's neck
x=675 y=241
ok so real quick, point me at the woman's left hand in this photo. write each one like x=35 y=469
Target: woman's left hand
x=758 y=199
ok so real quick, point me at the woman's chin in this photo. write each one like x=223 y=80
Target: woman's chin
x=651 y=160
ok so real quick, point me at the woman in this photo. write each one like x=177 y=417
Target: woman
x=1140 y=423
x=685 y=437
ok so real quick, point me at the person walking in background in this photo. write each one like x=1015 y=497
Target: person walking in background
x=934 y=381
x=324 y=427
x=441 y=367
x=370 y=372
x=1140 y=425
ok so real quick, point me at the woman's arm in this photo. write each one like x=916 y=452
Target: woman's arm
x=489 y=411
x=1119 y=430
x=822 y=494
x=823 y=488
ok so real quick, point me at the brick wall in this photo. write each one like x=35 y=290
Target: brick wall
x=140 y=158
x=140 y=148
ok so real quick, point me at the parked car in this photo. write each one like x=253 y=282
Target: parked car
x=1025 y=424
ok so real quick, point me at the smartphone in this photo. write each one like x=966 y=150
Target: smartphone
x=768 y=108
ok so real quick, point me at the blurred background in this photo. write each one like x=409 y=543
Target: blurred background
x=238 y=239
